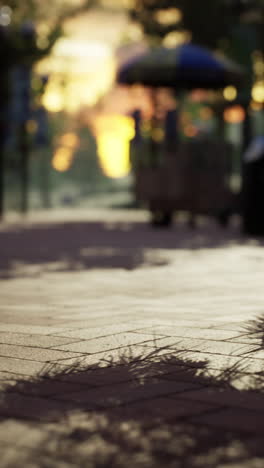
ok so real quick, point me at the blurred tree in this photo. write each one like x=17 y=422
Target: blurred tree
x=28 y=31
x=207 y=23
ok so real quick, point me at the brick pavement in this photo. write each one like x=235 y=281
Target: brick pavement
x=125 y=346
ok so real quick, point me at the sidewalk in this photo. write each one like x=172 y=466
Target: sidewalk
x=125 y=346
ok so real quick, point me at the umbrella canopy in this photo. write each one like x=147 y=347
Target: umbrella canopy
x=186 y=66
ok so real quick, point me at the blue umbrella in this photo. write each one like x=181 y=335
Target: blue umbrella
x=186 y=66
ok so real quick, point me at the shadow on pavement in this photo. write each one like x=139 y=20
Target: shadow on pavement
x=150 y=410
x=86 y=245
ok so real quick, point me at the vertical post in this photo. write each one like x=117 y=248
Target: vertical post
x=24 y=167
x=4 y=96
x=20 y=108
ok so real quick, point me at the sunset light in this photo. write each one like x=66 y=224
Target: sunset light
x=113 y=135
x=62 y=159
x=64 y=154
x=80 y=72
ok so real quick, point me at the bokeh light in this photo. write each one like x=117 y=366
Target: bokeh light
x=113 y=135
x=230 y=93
x=235 y=114
x=258 y=92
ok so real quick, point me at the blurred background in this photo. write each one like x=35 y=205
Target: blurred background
x=72 y=136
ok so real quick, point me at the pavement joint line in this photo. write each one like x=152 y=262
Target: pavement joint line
x=50 y=348
x=40 y=362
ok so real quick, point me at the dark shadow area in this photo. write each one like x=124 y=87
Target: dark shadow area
x=73 y=246
x=151 y=410
x=255 y=337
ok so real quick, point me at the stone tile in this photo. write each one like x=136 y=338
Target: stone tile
x=21 y=434
x=226 y=397
x=49 y=387
x=127 y=392
x=246 y=421
x=8 y=379
x=250 y=338
x=125 y=355
x=13 y=457
x=202 y=333
x=35 y=408
x=20 y=366
x=30 y=329
x=34 y=354
x=163 y=408
x=208 y=346
x=221 y=362
x=108 y=330
x=41 y=341
x=108 y=343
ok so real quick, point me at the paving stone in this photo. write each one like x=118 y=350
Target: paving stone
x=164 y=408
x=41 y=341
x=246 y=421
x=12 y=456
x=202 y=333
x=108 y=330
x=21 y=366
x=208 y=346
x=30 y=329
x=8 y=379
x=222 y=362
x=16 y=405
x=34 y=354
x=200 y=301
x=227 y=397
x=127 y=392
x=124 y=355
x=21 y=434
x=108 y=343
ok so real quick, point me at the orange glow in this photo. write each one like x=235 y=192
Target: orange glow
x=70 y=140
x=256 y=106
x=234 y=114
x=199 y=95
x=62 y=159
x=113 y=134
x=206 y=113
x=190 y=131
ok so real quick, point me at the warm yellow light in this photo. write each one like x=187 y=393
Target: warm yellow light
x=234 y=114
x=168 y=16
x=258 y=92
x=62 y=159
x=230 y=93
x=175 y=38
x=81 y=71
x=190 y=131
x=69 y=140
x=256 y=106
x=53 y=100
x=113 y=134
x=114 y=155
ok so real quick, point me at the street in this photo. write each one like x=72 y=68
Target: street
x=122 y=345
